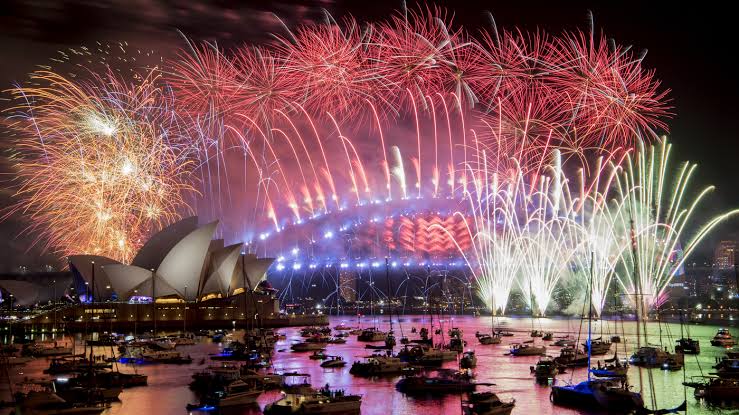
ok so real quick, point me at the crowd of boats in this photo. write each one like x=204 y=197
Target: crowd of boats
x=86 y=383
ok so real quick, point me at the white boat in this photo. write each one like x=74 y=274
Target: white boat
x=301 y=401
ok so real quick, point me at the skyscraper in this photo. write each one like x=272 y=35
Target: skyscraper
x=725 y=255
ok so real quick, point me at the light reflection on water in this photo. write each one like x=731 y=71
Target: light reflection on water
x=168 y=393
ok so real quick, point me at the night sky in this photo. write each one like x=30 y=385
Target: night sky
x=692 y=48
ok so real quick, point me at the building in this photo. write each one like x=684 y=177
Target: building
x=181 y=262
x=725 y=255
x=348 y=286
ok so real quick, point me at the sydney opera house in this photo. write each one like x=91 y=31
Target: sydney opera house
x=181 y=275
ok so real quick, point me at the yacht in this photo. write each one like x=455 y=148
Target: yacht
x=723 y=339
x=485 y=338
x=652 y=356
x=371 y=335
x=442 y=384
x=486 y=403
x=599 y=346
x=426 y=356
x=165 y=356
x=688 y=346
x=307 y=346
x=380 y=365
x=546 y=368
x=571 y=357
x=715 y=389
x=38 y=402
x=527 y=349
x=237 y=393
x=304 y=400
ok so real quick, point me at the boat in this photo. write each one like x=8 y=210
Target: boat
x=600 y=347
x=722 y=339
x=672 y=364
x=302 y=399
x=103 y=340
x=613 y=368
x=390 y=341
x=336 y=340
x=50 y=403
x=44 y=350
x=237 y=393
x=609 y=394
x=571 y=357
x=504 y=333
x=712 y=388
x=546 y=368
x=488 y=339
x=333 y=361
x=307 y=346
x=318 y=355
x=378 y=365
x=486 y=403
x=536 y=333
x=688 y=346
x=108 y=379
x=732 y=353
x=548 y=336
x=444 y=383
x=456 y=344
x=73 y=364
x=727 y=368
x=652 y=356
x=261 y=380
x=165 y=356
x=342 y=327
x=371 y=335
x=468 y=360
x=615 y=339
x=426 y=356
x=527 y=349
x=564 y=341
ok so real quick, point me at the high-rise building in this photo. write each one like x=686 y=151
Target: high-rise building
x=348 y=286
x=725 y=255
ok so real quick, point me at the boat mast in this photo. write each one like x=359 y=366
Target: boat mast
x=590 y=313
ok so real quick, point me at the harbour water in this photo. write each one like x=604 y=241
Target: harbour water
x=168 y=391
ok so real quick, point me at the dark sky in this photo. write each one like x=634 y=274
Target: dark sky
x=692 y=47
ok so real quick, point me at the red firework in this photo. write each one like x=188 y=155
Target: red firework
x=615 y=100
x=411 y=52
x=266 y=87
x=204 y=80
x=327 y=65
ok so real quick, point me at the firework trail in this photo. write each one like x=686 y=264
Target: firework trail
x=653 y=209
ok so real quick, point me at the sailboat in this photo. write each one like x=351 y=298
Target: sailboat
x=611 y=394
x=529 y=348
x=493 y=338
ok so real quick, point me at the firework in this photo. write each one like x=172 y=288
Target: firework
x=653 y=209
x=100 y=172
